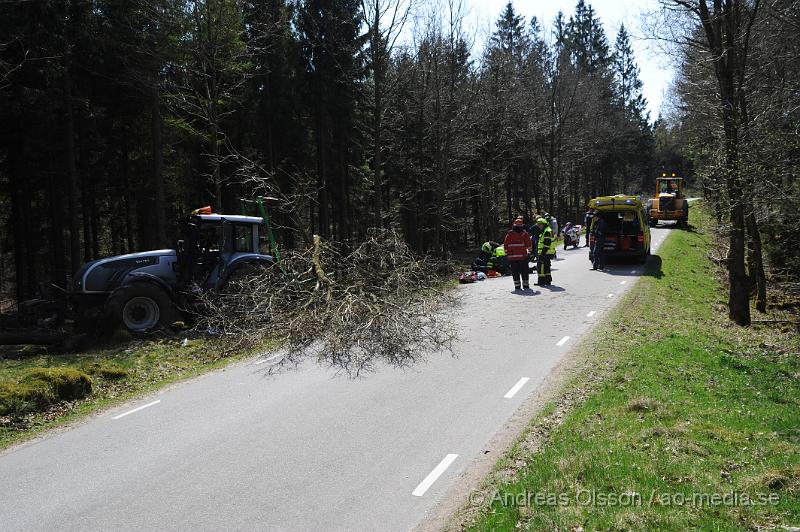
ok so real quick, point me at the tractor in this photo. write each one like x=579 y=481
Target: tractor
x=670 y=202
x=144 y=291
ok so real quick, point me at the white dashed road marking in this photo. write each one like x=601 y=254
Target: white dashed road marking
x=562 y=341
x=428 y=481
x=137 y=409
x=592 y=313
x=514 y=389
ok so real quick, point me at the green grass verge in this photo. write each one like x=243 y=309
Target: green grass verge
x=118 y=373
x=684 y=416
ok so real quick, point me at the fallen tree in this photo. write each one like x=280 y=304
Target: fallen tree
x=348 y=309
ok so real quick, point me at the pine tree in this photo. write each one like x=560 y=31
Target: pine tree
x=274 y=128
x=626 y=76
x=510 y=36
x=587 y=40
x=331 y=44
x=216 y=69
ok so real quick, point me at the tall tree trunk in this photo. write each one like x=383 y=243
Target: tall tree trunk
x=216 y=175
x=73 y=191
x=377 y=118
x=322 y=175
x=128 y=193
x=2 y=271
x=344 y=189
x=755 y=260
x=56 y=234
x=86 y=186
x=738 y=293
x=755 y=264
x=95 y=214
x=721 y=31
x=158 y=173
x=509 y=184
x=20 y=207
x=377 y=160
x=87 y=220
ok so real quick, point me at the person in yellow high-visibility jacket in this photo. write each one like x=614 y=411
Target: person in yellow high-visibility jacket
x=546 y=249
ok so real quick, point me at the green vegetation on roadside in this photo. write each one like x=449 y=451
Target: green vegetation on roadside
x=684 y=422
x=39 y=388
x=43 y=390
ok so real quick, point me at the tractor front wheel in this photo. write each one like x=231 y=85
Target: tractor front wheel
x=140 y=307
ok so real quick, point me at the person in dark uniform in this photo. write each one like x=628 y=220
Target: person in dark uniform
x=599 y=229
x=546 y=250
x=480 y=264
x=587 y=223
x=535 y=231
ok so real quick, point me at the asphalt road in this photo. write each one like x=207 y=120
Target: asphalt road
x=307 y=449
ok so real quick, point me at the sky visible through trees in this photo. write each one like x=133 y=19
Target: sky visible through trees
x=657 y=70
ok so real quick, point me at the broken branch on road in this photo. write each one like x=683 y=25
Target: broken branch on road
x=348 y=309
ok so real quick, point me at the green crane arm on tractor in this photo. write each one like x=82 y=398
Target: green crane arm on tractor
x=257 y=205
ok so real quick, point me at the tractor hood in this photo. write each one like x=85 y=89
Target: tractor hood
x=104 y=275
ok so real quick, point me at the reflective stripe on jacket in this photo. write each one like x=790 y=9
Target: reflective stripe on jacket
x=516 y=245
x=547 y=244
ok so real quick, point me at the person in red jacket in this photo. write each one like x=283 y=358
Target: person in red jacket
x=516 y=244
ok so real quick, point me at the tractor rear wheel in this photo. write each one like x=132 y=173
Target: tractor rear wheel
x=140 y=307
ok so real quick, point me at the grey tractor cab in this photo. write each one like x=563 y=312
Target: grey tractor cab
x=144 y=291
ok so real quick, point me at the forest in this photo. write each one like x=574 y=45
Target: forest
x=121 y=117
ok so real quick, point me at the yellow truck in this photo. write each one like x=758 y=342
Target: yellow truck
x=670 y=202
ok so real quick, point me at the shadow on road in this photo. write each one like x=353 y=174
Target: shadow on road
x=653 y=267
x=554 y=288
x=674 y=227
x=620 y=268
x=527 y=293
